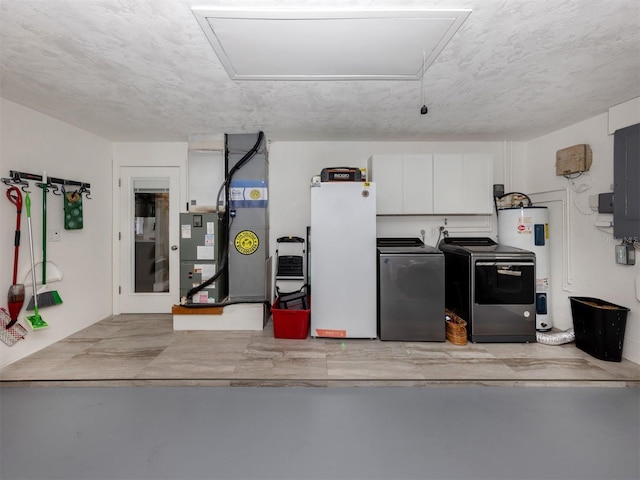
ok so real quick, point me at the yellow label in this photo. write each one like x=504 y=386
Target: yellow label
x=246 y=242
x=366 y=184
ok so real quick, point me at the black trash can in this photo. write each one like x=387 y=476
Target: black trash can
x=599 y=327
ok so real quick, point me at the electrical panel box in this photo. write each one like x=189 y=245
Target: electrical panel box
x=201 y=242
x=605 y=203
x=575 y=159
x=626 y=187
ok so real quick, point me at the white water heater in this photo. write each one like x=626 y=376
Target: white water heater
x=528 y=228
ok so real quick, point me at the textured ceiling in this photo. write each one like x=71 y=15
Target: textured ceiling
x=143 y=70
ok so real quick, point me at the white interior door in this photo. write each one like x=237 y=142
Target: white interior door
x=149 y=238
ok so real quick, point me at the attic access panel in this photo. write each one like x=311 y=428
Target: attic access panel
x=328 y=45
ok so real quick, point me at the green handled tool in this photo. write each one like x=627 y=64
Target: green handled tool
x=35 y=321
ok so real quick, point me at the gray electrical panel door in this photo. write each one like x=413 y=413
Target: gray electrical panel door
x=201 y=243
x=626 y=180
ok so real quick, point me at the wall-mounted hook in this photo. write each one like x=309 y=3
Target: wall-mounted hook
x=85 y=190
x=16 y=179
x=23 y=185
x=48 y=184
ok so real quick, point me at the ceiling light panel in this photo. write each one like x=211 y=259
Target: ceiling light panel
x=337 y=45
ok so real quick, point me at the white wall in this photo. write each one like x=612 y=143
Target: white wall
x=33 y=143
x=292 y=164
x=594 y=272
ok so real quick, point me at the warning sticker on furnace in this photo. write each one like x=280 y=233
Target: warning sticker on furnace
x=246 y=242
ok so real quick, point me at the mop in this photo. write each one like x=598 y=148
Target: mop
x=10 y=335
x=15 y=298
x=35 y=321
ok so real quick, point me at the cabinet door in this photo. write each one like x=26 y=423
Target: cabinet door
x=463 y=183
x=417 y=184
x=386 y=171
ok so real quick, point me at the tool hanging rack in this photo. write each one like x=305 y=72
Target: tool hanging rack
x=21 y=179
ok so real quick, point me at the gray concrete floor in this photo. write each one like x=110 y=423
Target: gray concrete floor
x=463 y=432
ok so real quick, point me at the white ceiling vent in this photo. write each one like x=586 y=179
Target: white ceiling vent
x=328 y=45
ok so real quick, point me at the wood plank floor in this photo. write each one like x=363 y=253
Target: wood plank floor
x=131 y=349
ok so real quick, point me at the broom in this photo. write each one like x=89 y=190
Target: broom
x=35 y=321
x=45 y=298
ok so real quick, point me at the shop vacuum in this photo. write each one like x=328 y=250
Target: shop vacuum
x=243 y=218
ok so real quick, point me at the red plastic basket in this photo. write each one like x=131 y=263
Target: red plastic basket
x=290 y=323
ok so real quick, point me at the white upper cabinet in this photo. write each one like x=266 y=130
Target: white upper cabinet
x=386 y=171
x=404 y=183
x=417 y=184
x=424 y=184
x=463 y=183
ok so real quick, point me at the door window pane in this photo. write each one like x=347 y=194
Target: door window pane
x=151 y=235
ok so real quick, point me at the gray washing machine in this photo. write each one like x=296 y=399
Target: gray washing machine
x=492 y=287
x=410 y=291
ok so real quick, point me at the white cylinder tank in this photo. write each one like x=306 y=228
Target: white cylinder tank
x=528 y=228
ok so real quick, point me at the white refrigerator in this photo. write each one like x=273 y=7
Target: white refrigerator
x=343 y=260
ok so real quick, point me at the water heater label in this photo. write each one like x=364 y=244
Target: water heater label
x=539 y=235
x=524 y=225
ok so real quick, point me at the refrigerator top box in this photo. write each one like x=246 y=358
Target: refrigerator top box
x=341 y=174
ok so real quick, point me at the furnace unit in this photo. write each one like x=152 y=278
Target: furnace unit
x=201 y=242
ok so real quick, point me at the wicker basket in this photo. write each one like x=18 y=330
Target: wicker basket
x=456 y=331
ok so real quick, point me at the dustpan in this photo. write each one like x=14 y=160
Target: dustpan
x=54 y=274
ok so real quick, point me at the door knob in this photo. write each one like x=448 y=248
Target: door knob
x=174 y=247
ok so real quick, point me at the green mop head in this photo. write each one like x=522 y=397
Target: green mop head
x=36 y=322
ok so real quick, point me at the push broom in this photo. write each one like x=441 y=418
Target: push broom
x=35 y=321
x=52 y=297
